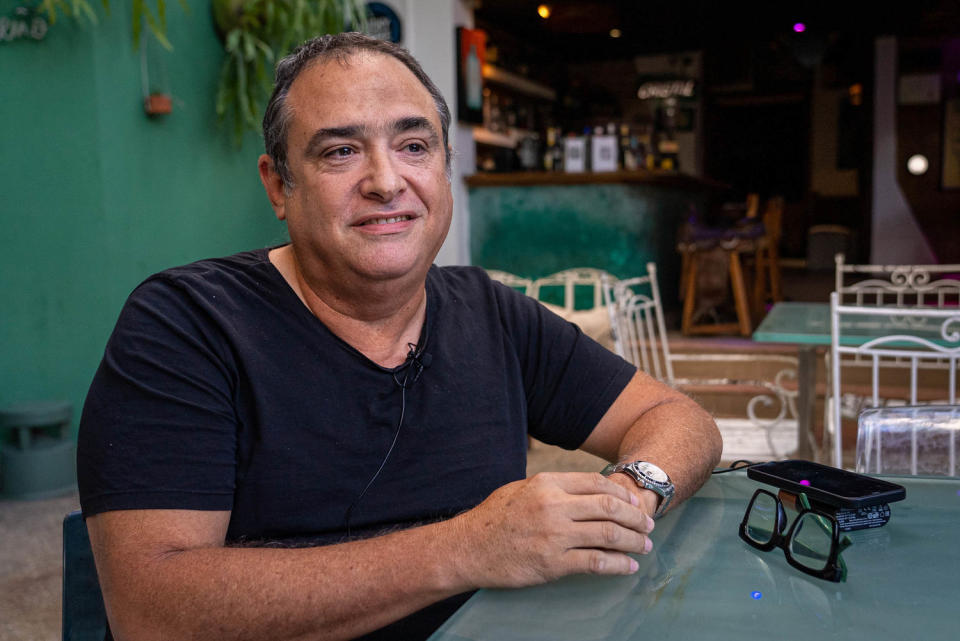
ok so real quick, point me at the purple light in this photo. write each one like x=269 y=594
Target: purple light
x=805 y=482
x=799 y=27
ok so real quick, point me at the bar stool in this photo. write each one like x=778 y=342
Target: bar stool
x=766 y=263
x=699 y=245
x=39 y=464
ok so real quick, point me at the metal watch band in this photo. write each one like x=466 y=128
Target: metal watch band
x=635 y=470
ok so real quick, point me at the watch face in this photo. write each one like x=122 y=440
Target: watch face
x=651 y=471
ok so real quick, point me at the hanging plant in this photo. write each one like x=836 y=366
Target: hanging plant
x=256 y=33
x=154 y=16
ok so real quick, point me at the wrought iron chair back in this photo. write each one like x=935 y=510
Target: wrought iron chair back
x=636 y=317
x=569 y=280
x=519 y=283
x=909 y=440
x=897 y=285
x=924 y=342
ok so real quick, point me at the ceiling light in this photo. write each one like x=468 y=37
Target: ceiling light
x=917 y=164
x=615 y=33
x=543 y=11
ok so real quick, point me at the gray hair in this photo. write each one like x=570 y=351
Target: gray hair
x=339 y=47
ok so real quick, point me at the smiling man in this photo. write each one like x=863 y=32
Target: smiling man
x=327 y=439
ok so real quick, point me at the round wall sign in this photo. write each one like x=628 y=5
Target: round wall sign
x=383 y=22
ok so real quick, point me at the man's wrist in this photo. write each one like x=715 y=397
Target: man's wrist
x=648 y=499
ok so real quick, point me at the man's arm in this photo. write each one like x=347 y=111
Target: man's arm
x=652 y=422
x=166 y=574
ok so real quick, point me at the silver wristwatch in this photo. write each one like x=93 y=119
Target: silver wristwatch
x=649 y=477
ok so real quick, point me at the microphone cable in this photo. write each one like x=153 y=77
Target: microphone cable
x=413 y=361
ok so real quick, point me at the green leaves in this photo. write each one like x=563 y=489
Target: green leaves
x=257 y=33
x=155 y=15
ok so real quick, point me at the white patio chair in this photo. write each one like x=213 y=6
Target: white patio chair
x=916 y=363
x=570 y=280
x=909 y=440
x=640 y=337
x=558 y=293
x=897 y=285
x=511 y=280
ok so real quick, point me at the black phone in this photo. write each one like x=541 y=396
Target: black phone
x=826 y=484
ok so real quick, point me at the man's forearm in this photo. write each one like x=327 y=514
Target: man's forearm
x=333 y=592
x=652 y=422
x=681 y=438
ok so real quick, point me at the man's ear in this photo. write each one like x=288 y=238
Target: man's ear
x=273 y=183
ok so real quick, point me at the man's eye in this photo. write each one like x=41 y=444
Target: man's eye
x=415 y=147
x=341 y=152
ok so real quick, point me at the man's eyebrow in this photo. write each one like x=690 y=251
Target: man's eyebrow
x=320 y=136
x=416 y=122
x=411 y=123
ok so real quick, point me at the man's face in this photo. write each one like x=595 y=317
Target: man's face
x=370 y=194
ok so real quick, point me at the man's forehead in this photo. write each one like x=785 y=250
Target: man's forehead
x=329 y=89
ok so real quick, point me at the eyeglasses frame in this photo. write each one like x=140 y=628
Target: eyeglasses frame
x=835 y=569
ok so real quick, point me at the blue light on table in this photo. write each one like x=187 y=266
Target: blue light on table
x=756 y=596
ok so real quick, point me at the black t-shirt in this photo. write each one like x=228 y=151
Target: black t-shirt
x=219 y=390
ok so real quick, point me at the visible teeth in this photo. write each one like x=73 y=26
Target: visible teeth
x=386 y=221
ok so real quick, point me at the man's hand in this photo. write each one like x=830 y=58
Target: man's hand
x=551 y=525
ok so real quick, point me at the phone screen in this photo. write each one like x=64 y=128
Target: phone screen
x=829 y=484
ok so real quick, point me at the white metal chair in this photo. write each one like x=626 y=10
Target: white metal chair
x=569 y=280
x=897 y=285
x=923 y=347
x=636 y=316
x=511 y=280
x=909 y=440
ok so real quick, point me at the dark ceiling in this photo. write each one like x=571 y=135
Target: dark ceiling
x=579 y=30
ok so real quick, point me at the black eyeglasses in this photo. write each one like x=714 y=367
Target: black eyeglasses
x=812 y=544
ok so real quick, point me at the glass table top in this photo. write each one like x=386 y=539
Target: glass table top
x=702 y=581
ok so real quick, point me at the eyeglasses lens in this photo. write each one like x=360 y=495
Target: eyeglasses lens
x=763 y=519
x=810 y=544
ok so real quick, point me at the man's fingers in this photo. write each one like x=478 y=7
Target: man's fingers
x=607 y=535
x=602 y=507
x=586 y=483
x=599 y=562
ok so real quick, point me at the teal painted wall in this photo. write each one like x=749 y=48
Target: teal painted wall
x=534 y=231
x=95 y=196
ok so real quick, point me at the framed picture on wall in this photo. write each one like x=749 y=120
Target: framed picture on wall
x=471 y=50
x=950 y=172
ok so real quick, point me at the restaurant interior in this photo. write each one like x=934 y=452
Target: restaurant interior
x=756 y=203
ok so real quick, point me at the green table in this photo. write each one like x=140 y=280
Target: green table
x=808 y=326
x=809 y=323
x=702 y=582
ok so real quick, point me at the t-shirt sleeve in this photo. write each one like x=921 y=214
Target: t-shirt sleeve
x=158 y=428
x=569 y=379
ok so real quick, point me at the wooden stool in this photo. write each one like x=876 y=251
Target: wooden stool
x=766 y=259
x=693 y=258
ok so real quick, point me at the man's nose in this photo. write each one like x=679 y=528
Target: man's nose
x=383 y=180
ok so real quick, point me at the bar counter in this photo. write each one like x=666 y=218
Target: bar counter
x=536 y=223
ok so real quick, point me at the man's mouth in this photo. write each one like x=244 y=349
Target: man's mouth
x=385 y=221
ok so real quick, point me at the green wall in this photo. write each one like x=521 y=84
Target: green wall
x=95 y=196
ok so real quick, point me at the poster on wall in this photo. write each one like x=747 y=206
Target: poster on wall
x=950 y=174
x=471 y=49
